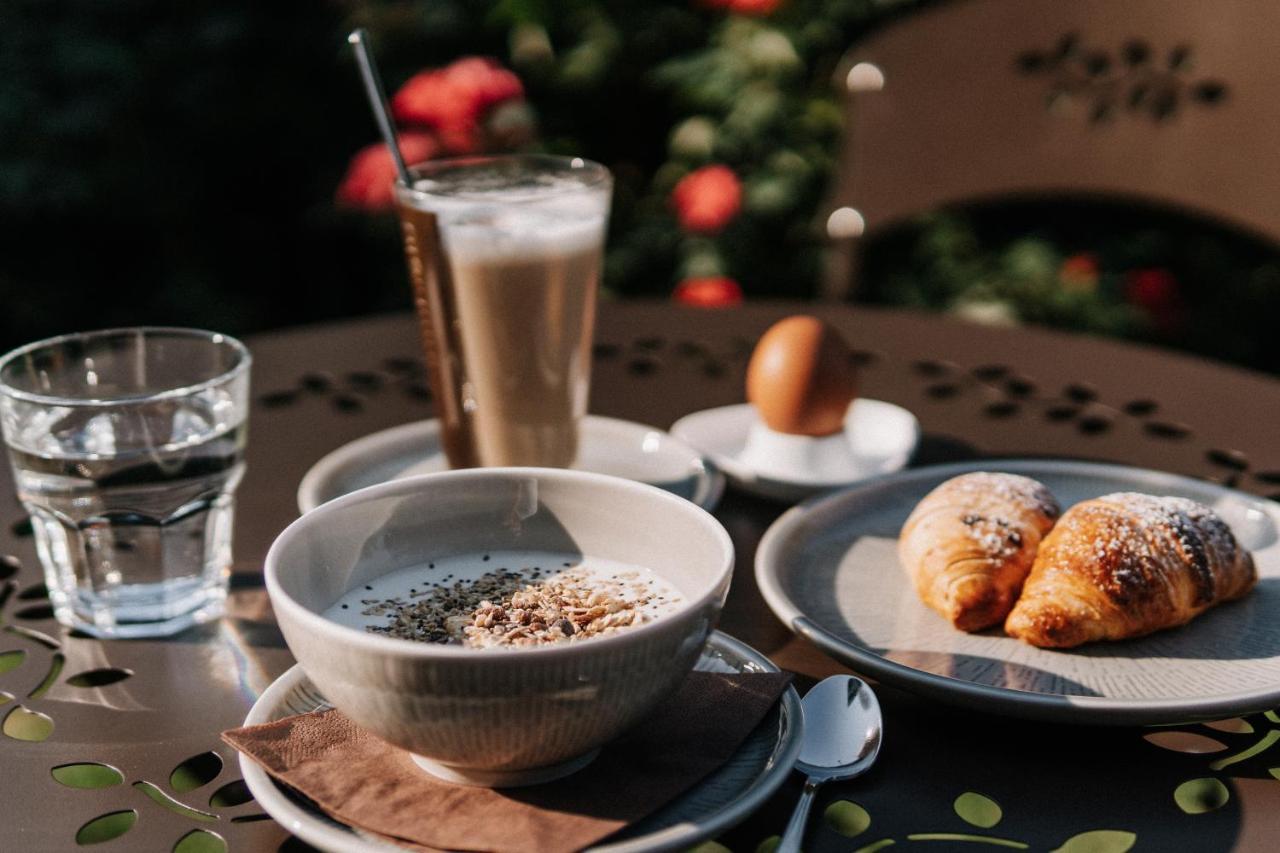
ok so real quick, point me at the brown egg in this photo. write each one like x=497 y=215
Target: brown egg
x=800 y=378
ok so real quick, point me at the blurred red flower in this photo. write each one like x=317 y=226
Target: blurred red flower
x=1155 y=290
x=708 y=292
x=484 y=80
x=707 y=198
x=371 y=172
x=755 y=8
x=453 y=100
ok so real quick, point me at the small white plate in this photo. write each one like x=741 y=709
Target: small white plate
x=881 y=435
x=829 y=569
x=721 y=800
x=608 y=446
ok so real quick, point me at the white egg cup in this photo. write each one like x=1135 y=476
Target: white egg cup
x=878 y=438
x=779 y=454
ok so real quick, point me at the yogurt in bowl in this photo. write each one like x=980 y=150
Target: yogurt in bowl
x=508 y=599
x=500 y=624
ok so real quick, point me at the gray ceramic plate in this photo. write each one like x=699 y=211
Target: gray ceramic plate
x=723 y=799
x=829 y=569
x=609 y=446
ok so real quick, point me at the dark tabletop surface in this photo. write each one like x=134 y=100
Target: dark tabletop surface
x=150 y=708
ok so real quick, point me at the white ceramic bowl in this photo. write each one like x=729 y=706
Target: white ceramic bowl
x=507 y=715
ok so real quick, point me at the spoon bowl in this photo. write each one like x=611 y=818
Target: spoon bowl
x=843 y=729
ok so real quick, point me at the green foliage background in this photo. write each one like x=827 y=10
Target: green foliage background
x=176 y=163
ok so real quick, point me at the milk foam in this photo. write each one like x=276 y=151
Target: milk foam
x=519 y=236
x=493 y=223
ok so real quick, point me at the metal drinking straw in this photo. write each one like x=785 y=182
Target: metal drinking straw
x=359 y=39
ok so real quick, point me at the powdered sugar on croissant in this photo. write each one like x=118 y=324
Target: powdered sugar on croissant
x=1125 y=565
x=970 y=543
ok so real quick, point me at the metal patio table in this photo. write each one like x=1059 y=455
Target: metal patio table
x=154 y=709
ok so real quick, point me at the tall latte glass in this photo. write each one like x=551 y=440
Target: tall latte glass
x=504 y=254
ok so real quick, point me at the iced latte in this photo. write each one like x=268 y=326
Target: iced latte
x=504 y=254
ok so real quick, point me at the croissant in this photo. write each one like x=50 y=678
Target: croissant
x=1125 y=565
x=969 y=545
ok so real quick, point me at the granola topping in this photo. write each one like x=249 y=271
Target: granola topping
x=527 y=600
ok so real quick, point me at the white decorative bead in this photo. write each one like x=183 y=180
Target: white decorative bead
x=864 y=77
x=845 y=223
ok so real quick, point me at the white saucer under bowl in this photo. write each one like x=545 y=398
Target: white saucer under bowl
x=720 y=800
x=607 y=446
x=881 y=438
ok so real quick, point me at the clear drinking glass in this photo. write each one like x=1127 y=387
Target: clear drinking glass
x=505 y=254
x=127 y=446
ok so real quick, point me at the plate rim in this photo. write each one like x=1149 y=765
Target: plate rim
x=773 y=487
x=307 y=496
x=1052 y=707
x=311 y=829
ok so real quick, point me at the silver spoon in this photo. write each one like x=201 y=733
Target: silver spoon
x=842 y=731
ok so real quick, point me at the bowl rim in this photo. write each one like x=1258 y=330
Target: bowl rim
x=372 y=642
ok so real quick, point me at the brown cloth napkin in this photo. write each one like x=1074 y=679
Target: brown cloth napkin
x=366 y=782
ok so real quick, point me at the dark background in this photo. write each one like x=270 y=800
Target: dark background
x=177 y=163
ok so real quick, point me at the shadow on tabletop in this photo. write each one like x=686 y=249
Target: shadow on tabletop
x=935 y=449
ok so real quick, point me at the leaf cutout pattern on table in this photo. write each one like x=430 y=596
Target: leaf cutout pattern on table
x=195 y=771
x=1198 y=796
x=704 y=847
x=36 y=612
x=106 y=827
x=87 y=774
x=1233 y=725
x=99 y=677
x=847 y=818
x=230 y=795
x=34 y=592
x=1099 y=841
x=960 y=836
x=1188 y=742
x=11 y=660
x=5 y=697
x=200 y=841
x=32 y=634
x=769 y=845
x=875 y=845
x=977 y=810
x=23 y=724
x=55 y=669
x=1268 y=740
x=161 y=798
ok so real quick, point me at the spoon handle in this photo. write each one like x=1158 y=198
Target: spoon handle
x=794 y=833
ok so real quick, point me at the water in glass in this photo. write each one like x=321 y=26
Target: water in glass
x=137 y=537
x=127 y=447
